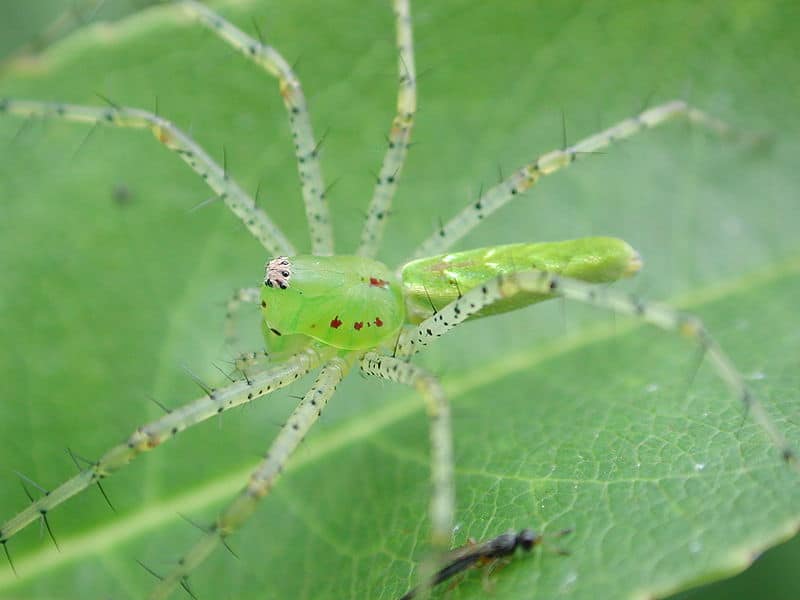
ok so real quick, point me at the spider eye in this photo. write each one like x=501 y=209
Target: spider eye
x=278 y=272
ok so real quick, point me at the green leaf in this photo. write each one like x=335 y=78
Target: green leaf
x=563 y=415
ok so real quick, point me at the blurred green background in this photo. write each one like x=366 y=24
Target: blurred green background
x=737 y=59
x=32 y=26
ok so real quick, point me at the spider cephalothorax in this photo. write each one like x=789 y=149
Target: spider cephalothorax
x=349 y=302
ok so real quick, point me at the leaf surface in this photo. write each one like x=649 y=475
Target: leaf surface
x=563 y=415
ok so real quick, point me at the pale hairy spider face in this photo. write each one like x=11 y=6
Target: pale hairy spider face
x=563 y=416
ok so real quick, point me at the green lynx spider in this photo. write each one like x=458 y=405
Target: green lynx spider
x=341 y=332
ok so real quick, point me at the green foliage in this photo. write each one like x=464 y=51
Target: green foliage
x=563 y=416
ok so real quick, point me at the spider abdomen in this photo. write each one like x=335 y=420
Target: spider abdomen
x=431 y=283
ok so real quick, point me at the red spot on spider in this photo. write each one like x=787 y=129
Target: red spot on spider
x=375 y=282
x=358 y=325
x=336 y=323
x=378 y=322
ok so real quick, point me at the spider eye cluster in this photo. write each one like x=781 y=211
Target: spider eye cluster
x=278 y=273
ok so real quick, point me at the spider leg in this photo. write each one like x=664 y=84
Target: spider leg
x=250 y=362
x=547 y=164
x=265 y=475
x=399 y=135
x=156 y=432
x=306 y=149
x=242 y=295
x=442 y=504
x=660 y=315
x=235 y=198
